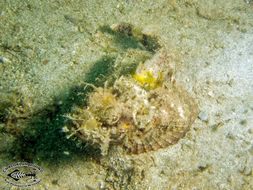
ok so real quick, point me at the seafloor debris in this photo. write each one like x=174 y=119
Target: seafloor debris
x=147 y=38
x=139 y=113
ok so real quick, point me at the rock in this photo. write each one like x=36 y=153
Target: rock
x=203 y=116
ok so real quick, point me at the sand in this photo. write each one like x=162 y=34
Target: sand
x=48 y=48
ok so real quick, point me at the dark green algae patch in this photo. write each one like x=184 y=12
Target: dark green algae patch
x=37 y=135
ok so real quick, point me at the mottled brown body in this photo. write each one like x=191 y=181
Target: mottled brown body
x=137 y=118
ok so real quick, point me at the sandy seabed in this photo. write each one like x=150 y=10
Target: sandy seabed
x=47 y=48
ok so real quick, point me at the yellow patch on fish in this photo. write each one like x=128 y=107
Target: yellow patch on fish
x=147 y=79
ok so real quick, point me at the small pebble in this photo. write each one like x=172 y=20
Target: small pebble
x=251 y=150
x=203 y=116
x=243 y=122
x=250 y=131
x=65 y=129
x=4 y=60
x=66 y=153
x=89 y=187
x=55 y=182
x=247 y=171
